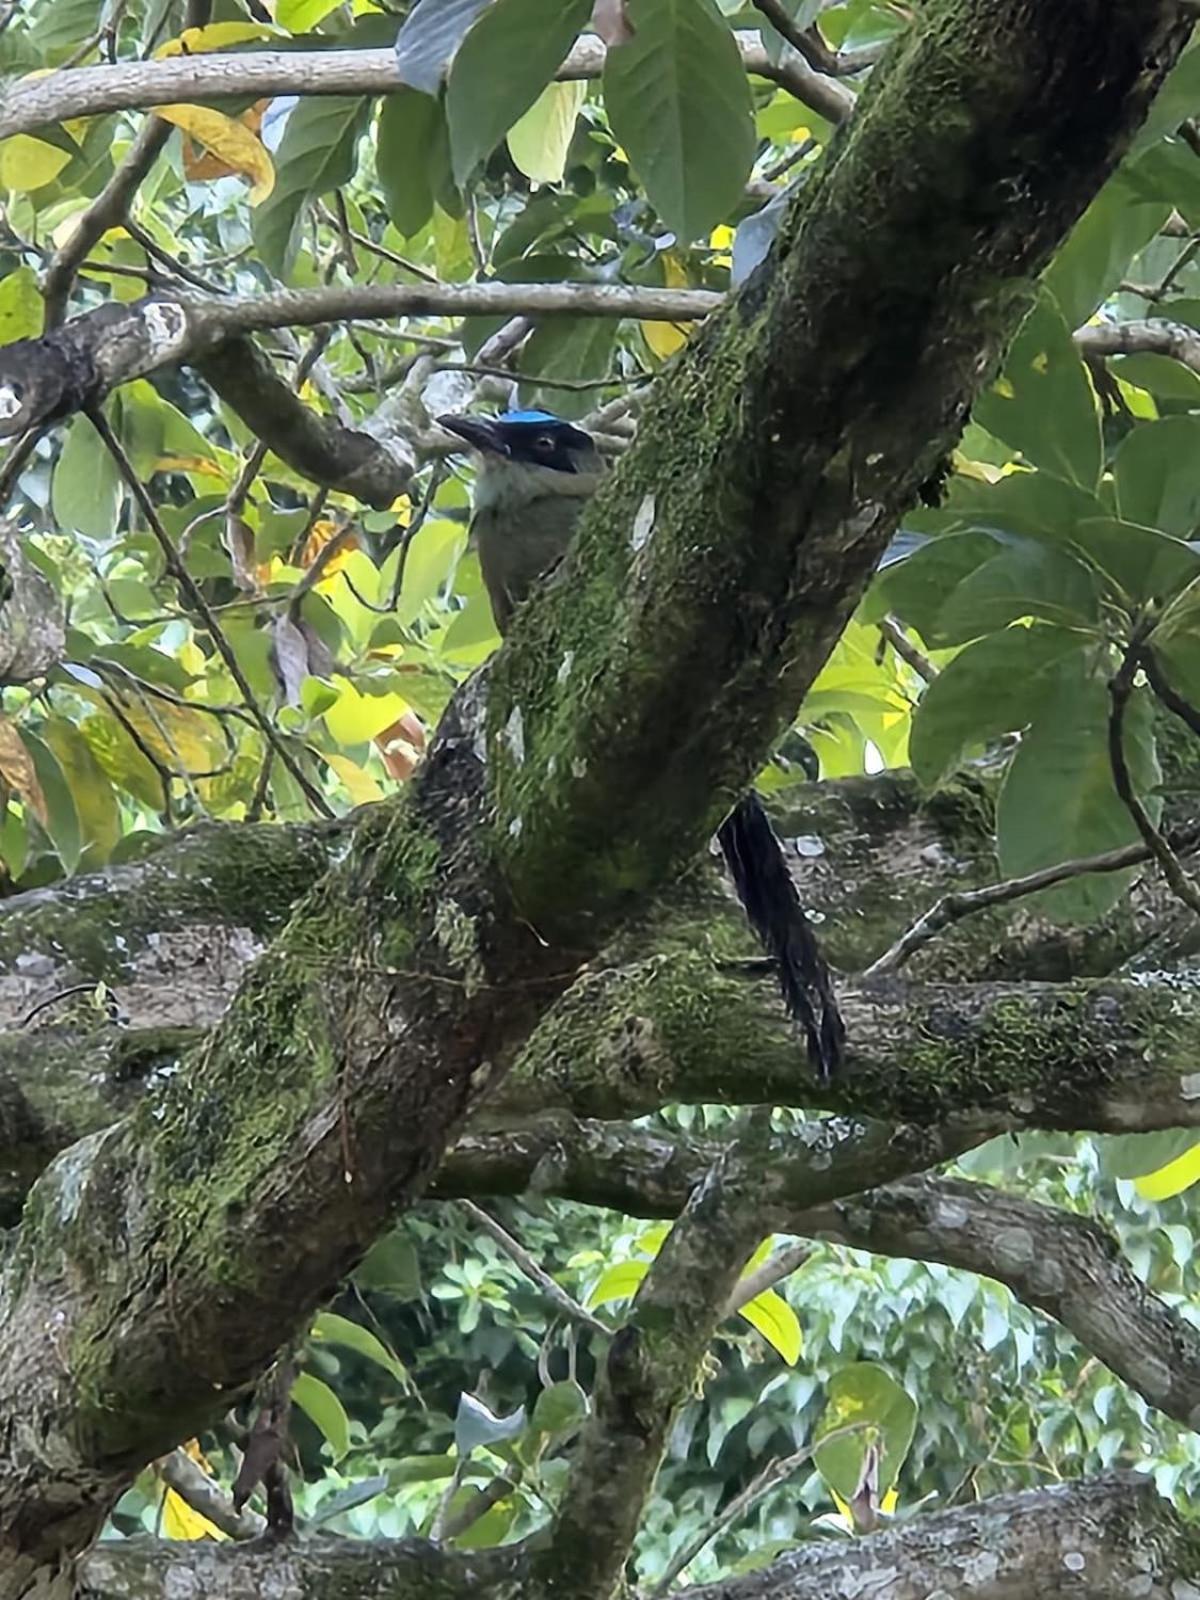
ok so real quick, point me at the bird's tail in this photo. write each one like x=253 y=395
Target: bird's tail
x=764 y=886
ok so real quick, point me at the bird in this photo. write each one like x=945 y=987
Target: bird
x=535 y=474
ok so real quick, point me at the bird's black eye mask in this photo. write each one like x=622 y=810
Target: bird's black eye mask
x=534 y=438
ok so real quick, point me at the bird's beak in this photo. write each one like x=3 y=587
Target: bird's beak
x=481 y=433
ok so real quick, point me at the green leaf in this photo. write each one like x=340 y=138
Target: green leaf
x=472 y=636
x=992 y=687
x=86 y=491
x=917 y=588
x=340 y=1330
x=298 y=16
x=121 y=760
x=1058 y=801
x=679 y=102
x=1132 y=1155
x=770 y=1314
x=62 y=821
x=1160 y=376
x=324 y=1410
x=1032 y=504
x=571 y=348
x=561 y=1408
x=20 y=306
x=539 y=141
x=354 y=1494
x=318 y=152
x=1043 y=404
x=95 y=803
x=1175 y=101
x=1027 y=580
x=1100 y=248
x=429 y=564
x=1157 y=475
x=412 y=143
x=1142 y=563
x=867 y=1394
x=391 y=1264
x=509 y=55
x=621 y=1281
x=476 y=1425
x=431 y=34
x=420 y=1469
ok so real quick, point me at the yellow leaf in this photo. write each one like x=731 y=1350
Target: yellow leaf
x=232 y=141
x=359 y=785
x=356 y=717
x=1172 y=1179
x=17 y=769
x=217 y=36
x=538 y=142
x=769 y=1314
x=27 y=163
x=720 y=241
x=179 y=1521
x=188 y=464
x=319 y=536
x=664 y=338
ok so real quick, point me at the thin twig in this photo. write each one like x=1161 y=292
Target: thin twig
x=15 y=460
x=554 y=1292
x=953 y=907
x=535 y=379
x=1170 y=697
x=197 y=603
x=206 y=1498
x=236 y=498
x=1120 y=688
x=773 y=1474
x=173 y=265
x=793 y=159
x=907 y=650
x=809 y=43
x=773 y=1270
x=479 y=1504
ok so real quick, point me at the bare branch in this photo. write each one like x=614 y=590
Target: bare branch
x=651 y=1367
x=1067 y=1266
x=1162 y=338
x=1120 y=688
x=951 y=908
x=197 y=1490
x=907 y=650
x=773 y=1270
x=533 y=1270
x=1110 y=1538
x=83 y=92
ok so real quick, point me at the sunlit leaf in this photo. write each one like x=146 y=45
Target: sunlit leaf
x=539 y=140
x=238 y=149
x=770 y=1315
x=333 y=1329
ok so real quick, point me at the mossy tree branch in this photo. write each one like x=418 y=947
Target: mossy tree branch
x=1110 y=1538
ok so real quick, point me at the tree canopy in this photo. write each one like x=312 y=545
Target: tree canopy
x=410 y=1180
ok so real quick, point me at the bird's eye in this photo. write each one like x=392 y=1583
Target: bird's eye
x=544 y=444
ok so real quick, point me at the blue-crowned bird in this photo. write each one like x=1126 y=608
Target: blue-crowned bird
x=535 y=475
